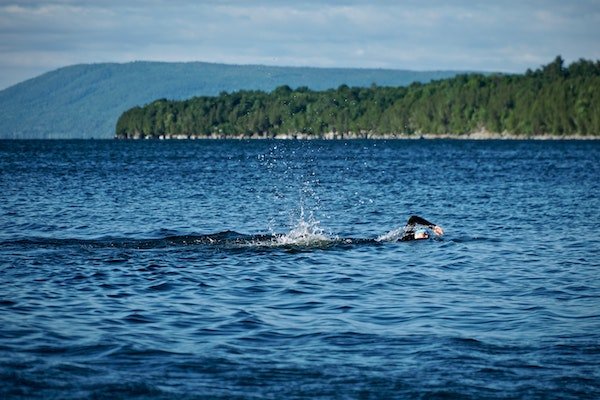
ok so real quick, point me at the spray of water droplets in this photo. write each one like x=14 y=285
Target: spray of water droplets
x=294 y=192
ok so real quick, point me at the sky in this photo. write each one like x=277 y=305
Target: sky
x=37 y=36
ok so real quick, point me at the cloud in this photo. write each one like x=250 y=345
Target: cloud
x=506 y=35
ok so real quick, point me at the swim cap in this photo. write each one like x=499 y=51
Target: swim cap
x=421 y=234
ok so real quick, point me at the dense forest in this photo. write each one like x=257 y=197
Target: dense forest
x=553 y=99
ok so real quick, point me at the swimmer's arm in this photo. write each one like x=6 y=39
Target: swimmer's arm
x=416 y=220
x=438 y=230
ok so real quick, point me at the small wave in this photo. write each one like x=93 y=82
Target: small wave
x=129 y=243
x=471 y=239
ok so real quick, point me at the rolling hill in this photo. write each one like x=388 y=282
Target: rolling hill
x=85 y=101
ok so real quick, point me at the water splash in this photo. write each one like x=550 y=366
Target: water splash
x=306 y=232
x=294 y=187
x=391 y=236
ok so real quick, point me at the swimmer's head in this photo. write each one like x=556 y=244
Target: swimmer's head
x=421 y=234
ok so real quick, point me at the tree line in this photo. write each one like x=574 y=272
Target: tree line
x=553 y=99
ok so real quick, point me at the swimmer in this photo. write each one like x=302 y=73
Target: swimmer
x=412 y=233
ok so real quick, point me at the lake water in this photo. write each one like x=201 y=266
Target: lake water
x=270 y=269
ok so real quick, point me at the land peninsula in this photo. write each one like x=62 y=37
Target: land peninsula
x=553 y=101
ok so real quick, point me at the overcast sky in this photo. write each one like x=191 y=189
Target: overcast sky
x=503 y=35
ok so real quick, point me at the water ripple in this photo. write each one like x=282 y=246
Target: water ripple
x=253 y=270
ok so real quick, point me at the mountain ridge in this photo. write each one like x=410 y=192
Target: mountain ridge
x=85 y=100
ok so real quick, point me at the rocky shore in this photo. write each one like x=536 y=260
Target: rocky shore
x=479 y=135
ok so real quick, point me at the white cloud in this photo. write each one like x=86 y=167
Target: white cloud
x=508 y=35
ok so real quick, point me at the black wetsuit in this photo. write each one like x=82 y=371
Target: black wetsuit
x=409 y=229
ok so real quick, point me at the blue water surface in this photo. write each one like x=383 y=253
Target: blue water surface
x=270 y=269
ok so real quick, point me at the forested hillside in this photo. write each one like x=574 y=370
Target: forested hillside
x=554 y=100
x=84 y=101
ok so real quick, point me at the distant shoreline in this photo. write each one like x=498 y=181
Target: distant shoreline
x=366 y=136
